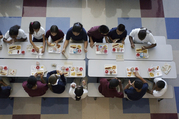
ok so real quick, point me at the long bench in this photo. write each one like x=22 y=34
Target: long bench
x=18 y=91
x=93 y=92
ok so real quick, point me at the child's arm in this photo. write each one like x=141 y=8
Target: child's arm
x=106 y=38
x=131 y=41
x=30 y=38
x=91 y=42
x=85 y=46
x=65 y=45
x=1 y=36
x=58 y=40
x=43 y=50
x=20 y=40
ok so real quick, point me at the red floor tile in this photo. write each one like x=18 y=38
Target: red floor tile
x=35 y=3
x=34 y=11
x=151 y=8
x=30 y=116
x=164 y=116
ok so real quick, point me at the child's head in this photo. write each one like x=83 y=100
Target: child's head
x=120 y=29
x=103 y=29
x=161 y=84
x=34 y=26
x=77 y=28
x=13 y=31
x=137 y=84
x=54 y=30
x=113 y=83
x=52 y=79
x=78 y=92
x=31 y=82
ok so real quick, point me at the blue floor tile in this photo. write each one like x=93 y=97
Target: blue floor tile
x=63 y=23
x=6 y=106
x=7 y=22
x=172 y=28
x=140 y=106
x=130 y=23
x=54 y=106
x=177 y=98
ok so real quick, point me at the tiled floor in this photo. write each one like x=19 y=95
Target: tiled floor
x=160 y=16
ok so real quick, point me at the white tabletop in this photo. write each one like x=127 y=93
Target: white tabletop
x=159 y=53
x=47 y=55
x=24 y=66
x=96 y=68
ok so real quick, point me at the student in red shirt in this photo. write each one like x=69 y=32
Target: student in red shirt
x=107 y=87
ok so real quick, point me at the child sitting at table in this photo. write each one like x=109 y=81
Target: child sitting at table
x=38 y=33
x=76 y=34
x=5 y=87
x=97 y=33
x=78 y=91
x=142 y=35
x=159 y=87
x=55 y=83
x=56 y=35
x=117 y=34
x=35 y=87
x=17 y=35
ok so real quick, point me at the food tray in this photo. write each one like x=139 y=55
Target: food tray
x=154 y=71
x=110 y=69
x=12 y=72
x=131 y=70
x=32 y=50
x=3 y=70
x=71 y=70
x=101 y=49
x=37 y=69
x=14 y=49
x=117 y=47
x=141 y=53
x=54 y=48
x=75 y=49
x=76 y=71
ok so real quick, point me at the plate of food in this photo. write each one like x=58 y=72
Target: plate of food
x=154 y=71
x=131 y=70
x=40 y=47
x=14 y=49
x=76 y=71
x=141 y=53
x=37 y=69
x=12 y=72
x=75 y=49
x=3 y=70
x=64 y=69
x=117 y=47
x=101 y=48
x=54 y=48
x=110 y=69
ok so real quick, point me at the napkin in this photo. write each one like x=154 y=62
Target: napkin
x=166 y=68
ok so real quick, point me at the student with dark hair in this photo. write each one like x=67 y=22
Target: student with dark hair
x=159 y=87
x=137 y=89
x=1 y=36
x=117 y=34
x=97 y=33
x=56 y=35
x=78 y=91
x=108 y=87
x=76 y=34
x=5 y=88
x=17 y=35
x=142 y=35
x=55 y=83
x=38 y=33
x=35 y=87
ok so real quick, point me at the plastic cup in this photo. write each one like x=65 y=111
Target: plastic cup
x=67 y=69
x=136 y=69
x=114 y=49
x=37 y=67
x=81 y=69
x=79 y=50
x=106 y=71
x=5 y=68
x=23 y=52
x=33 y=50
x=105 y=51
x=137 y=54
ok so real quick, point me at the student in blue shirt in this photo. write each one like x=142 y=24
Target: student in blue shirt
x=138 y=89
x=77 y=34
x=5 y=88
x=117 y=34
x=55 y=83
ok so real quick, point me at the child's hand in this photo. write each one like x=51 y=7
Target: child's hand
x=123 y=42
x=133 y=46
x=48 y=43
x=36 y=49
x=63 y=51
x=84 y=82
x=91 y=44
x=73 y=86
x=85 y=50
x=43 y=50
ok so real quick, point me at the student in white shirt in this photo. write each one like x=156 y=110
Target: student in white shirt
x=38 y=33
x=159 y=87
x=17 y=35
x=142 y=35
x=78 y=92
